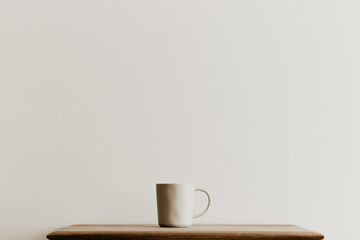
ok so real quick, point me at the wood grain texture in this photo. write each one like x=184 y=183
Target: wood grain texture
x=203 y=232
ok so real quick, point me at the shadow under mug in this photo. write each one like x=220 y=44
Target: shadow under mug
x=175 y=204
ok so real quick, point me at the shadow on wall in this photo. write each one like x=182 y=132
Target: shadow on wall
x=35 y=236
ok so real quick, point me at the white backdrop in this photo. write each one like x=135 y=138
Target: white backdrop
x=256 y=101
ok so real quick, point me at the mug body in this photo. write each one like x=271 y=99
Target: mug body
x=175 y=204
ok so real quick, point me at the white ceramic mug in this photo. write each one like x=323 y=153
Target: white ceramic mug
x=175 y=204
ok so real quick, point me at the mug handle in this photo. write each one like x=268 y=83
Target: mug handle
x=208 y=205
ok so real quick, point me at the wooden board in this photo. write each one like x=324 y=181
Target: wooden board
x=202 y=232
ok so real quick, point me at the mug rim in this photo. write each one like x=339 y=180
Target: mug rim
x=158 y=184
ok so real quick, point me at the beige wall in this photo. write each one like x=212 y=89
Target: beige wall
x=256 y=101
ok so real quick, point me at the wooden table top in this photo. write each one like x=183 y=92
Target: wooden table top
x=195 y=232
